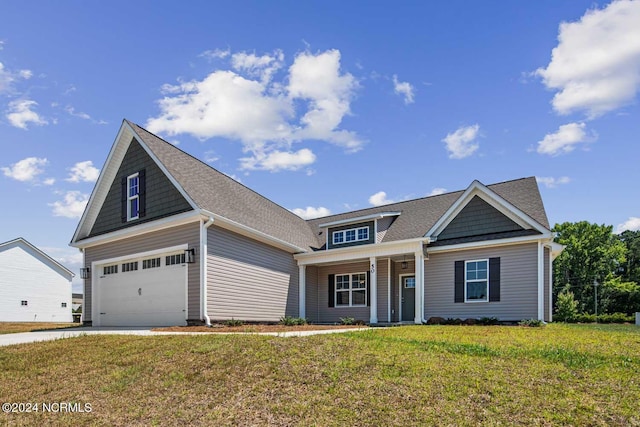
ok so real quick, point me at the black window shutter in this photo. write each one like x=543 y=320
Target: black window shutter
x=494 y=279
x=459 y=282
x=123 y=200
x=332 y=290
x=142 y=193
x=368 y=289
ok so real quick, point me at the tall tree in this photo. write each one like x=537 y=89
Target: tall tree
x=630 y=270
x=592 y=252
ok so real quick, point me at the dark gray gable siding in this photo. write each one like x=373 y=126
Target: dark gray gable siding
x=478 y=218
x=162 y=197
x=368 y=224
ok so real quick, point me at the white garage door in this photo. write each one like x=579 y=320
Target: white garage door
x=148 y=291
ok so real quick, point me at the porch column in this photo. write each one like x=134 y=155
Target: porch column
x=373 y=291
x=302 y=291
x=419 y=292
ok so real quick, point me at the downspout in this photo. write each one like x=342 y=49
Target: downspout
x=203 y=268
x=429 y=239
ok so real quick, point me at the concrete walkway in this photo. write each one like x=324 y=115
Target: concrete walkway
x=29 y=337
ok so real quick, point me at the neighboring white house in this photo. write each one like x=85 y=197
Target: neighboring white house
x=33 y=286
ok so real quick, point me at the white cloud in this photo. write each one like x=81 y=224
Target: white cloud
x=215 y=54
x=403 y=88
x=83 y=171
x=211 y=156
x=258 y=66
x=632 y=224
x=267 y=115
x=551 y=182
x=49 y=181
x=565 y=139
x=21 y=114
x=1 y=44
x=594 y=67
x=71 y=206
x=380 y=198
x=72 y=112
x=26 y=170
x=317 y=79
x=275 y=161
x=461 y=143
x=8 y=78
x=310 y=212
x=437 y=191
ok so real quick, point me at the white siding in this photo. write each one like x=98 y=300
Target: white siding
x=249 y=280
x=25 y=276
x=518 y=284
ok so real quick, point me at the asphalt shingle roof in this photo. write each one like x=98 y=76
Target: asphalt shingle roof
x=216 y=192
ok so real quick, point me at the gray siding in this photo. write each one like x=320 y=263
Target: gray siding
x=188 y=233
x=547 y=285
x=518 y=288
x=372 y=235
x=382 y=270
x=478 y=218
x=311 y=293
x=249 y=280
x=383 y=227
x=328 y=314
x=162 y=198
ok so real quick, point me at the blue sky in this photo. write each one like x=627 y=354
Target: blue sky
x=323 y=106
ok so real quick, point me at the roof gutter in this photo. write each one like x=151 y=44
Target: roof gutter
x=252 y=233
x=203 y=268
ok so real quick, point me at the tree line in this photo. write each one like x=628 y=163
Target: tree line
x=596 y=262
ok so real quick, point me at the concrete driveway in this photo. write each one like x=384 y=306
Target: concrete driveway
x=29 y=337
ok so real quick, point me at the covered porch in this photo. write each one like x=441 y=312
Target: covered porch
x=382 y=283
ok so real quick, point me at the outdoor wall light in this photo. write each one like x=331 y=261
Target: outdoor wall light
x=190 y=256
x=85 y=272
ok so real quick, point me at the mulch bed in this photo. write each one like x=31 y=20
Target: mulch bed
x=254 y=328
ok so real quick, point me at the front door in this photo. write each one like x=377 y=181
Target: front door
x=408 y=287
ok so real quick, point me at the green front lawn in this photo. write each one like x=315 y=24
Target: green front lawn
x=16 y=327
x=417 y=375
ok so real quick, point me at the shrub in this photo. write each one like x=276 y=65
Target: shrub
x=615 y=318
x=233 y=322
x=584 y=318
x=487 y=321
x=292 y=321
x=347 y=320
x=531 y=323
x=452 y=321
x=566 y=307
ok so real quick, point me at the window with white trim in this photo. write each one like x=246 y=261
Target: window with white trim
x=130 y=266
x=133 y=196
x=174 y=259
x=110 y=269
x=350 y=235
x=24 y=303
x=150 y=263
x=476 y=280
x=351 y=290
x=63 y=305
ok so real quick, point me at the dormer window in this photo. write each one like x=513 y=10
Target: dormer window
x=350 y=235
x=133 y=197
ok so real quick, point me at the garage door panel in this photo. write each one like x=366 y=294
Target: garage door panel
x=144 y=297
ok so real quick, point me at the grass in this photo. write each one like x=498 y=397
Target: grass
x=17 y=327
x=405 y=376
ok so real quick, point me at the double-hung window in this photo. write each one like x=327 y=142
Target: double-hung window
x=351 y=290
x=476 y=288
x=133 y=197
